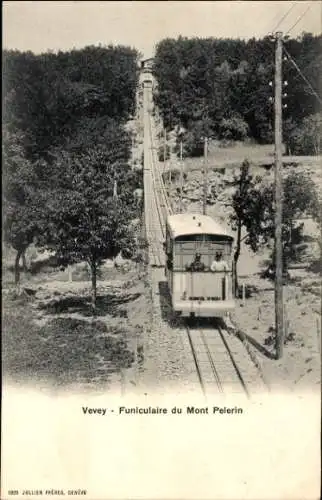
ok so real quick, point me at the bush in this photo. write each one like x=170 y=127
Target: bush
x=193 y=145
x=304 y=138
x=161 y=153
x=234 y=128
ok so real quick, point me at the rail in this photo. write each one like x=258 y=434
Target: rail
x=216 y=376
x=157 y=206
x=156 y=197
x=160 y=189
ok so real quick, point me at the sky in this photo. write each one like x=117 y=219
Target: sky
x=40 y=26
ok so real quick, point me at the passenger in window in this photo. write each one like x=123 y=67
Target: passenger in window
x=196 y=265
x=219 y=264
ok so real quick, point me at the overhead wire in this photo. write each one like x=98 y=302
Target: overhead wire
x=284 y=17
x=287 y=53
x=301 y=74
x=299 y=19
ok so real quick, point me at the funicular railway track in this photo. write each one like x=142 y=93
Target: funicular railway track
x=217 y=369
x=157 y=206
x=221 y=361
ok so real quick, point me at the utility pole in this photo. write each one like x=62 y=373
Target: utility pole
x=115 y=189
x=164 y=148
x=133 y=142
x=279 y=319
x=205 y=177
x=170 y=166
x=181 y=176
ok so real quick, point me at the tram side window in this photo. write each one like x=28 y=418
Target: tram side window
x=168 y=243
x=169 y=252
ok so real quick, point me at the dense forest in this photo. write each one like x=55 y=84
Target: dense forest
x=47 y=97
x=221 y=88
x=65 y=148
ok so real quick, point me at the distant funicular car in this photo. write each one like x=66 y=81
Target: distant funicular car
x=198 y=266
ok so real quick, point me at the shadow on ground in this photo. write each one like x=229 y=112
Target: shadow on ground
x=316 y=266
x=109 y=304
x=260 y=348
x=165 y=303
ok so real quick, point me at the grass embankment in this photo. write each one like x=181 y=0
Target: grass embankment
x=231 y=155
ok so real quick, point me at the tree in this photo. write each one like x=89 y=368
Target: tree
x=164 y=153
x=299 y=198
x=246 y=212
x=233 y=128
x=193 y=139
x=304 y=139
x=84 y=220
x=254 y=209
x=22 y=211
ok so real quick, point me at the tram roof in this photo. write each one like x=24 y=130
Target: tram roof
x=185 y=224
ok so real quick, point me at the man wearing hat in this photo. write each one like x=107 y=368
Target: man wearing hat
x=219 y=264
x=197 y=265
